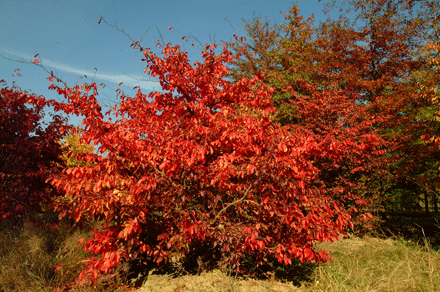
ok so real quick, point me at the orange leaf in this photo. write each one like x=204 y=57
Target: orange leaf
x=35 y=61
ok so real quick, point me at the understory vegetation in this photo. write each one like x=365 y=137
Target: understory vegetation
x=374 y=262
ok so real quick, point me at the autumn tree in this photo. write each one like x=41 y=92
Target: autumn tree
x=391 y=59
x=372 y=59
x=432 y=94
x=429 y=79
x=203 y=161
x=282 y=52
x=289 y=54
x=28 y=153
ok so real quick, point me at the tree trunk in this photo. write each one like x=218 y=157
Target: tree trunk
x=426 y=201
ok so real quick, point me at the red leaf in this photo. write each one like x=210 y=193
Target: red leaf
x=282 y=147
x=35 y=61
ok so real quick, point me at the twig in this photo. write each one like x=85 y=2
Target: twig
x=233 y=203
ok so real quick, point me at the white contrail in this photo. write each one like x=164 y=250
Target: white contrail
x=114 y=78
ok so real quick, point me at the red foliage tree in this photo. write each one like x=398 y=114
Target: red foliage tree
x=27 y=153
x=203 y=161
x=380 y=61
x=295 y=54
x=385 y=59
x=435 y=98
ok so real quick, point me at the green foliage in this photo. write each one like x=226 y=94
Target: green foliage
x=284 y=53
x=73 y=147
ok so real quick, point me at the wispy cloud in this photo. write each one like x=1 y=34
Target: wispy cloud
x=129 y=81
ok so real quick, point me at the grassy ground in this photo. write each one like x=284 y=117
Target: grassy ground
x=372 y=264
x=359 y=264
x=28 y=259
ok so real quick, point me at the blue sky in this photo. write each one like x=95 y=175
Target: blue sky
x=71 y=43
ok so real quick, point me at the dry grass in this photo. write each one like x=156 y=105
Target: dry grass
x=367 y=264
x=372 y=264
x=212 y=281
x=28 y=259
x=29 y=256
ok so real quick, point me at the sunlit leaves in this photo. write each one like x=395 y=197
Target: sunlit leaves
x=203 y=160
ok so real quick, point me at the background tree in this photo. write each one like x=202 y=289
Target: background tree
x=372 y=59
x=386 y=77
x=282 y=52
x=289 y=54
x=73 y=147
x=28 y=153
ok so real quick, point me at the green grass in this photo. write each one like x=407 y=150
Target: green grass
x=28 y=258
